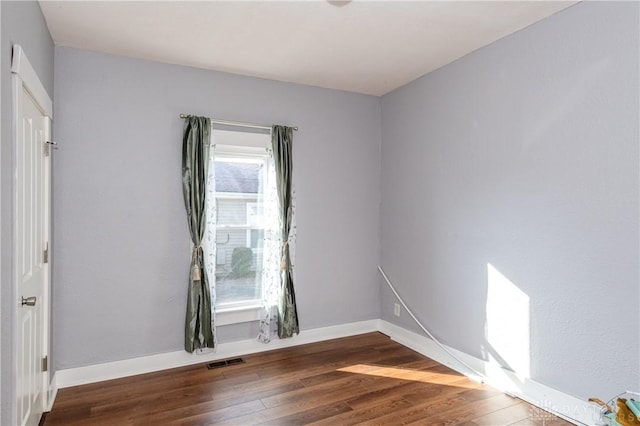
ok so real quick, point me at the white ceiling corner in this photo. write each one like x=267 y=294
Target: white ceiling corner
x=369 y=47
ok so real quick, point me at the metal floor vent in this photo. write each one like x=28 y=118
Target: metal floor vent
x=224 y=363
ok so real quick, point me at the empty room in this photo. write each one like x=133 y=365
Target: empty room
x=320 y=212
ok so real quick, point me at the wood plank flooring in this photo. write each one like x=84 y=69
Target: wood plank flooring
x=365 y=379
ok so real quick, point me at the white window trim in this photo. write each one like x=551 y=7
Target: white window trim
x=249 y=152
x=241 y=140
x=236 y=196
x=237 y=227
x=238 y=313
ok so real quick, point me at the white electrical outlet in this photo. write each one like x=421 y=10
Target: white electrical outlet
x=396 y=309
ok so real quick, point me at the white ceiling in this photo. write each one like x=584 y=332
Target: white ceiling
x=369 y=47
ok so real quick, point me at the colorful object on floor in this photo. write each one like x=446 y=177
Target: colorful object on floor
x=625 y=416
x=610 y=419
x=602 y=404
x=634 y=406
x=621 y=410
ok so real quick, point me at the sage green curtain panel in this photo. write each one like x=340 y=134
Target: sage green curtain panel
x=195 y=164
x=281 y=143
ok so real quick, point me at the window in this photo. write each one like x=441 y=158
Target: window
x=240 y=167
x=255 y=220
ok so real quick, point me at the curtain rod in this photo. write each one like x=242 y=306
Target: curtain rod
x=238 y=123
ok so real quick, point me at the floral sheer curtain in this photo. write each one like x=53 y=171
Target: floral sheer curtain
x=279 y=313
x=271 y=270
x=209 y=242
x=271 y=257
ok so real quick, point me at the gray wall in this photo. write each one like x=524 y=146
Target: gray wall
x=22 y=23
x=122 y=247
x=524 y=155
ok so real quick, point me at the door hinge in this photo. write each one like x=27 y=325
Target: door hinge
x=45 y=363
x=46 y=149
x=45 y=254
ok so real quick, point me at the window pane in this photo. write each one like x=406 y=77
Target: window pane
x=257 y=236
x=239 y=183
x=232 y=211
x=238 y=175
x=239 y=277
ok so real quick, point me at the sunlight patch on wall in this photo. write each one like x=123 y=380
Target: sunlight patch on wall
x=507 y=326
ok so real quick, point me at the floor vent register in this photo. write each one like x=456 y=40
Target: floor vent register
x=225 y=363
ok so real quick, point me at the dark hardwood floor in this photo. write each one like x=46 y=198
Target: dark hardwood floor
x=361 y=379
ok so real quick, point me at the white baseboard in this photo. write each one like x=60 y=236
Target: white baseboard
x=565 y=406
x=148 y=364
x=568 y=407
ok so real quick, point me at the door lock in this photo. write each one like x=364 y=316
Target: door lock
x=29 y=301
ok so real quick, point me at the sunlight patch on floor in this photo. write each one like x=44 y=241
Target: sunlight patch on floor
x=411 y=375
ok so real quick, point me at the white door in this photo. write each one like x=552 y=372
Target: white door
x=31 y=238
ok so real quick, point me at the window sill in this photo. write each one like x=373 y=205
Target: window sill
x=227 y=315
